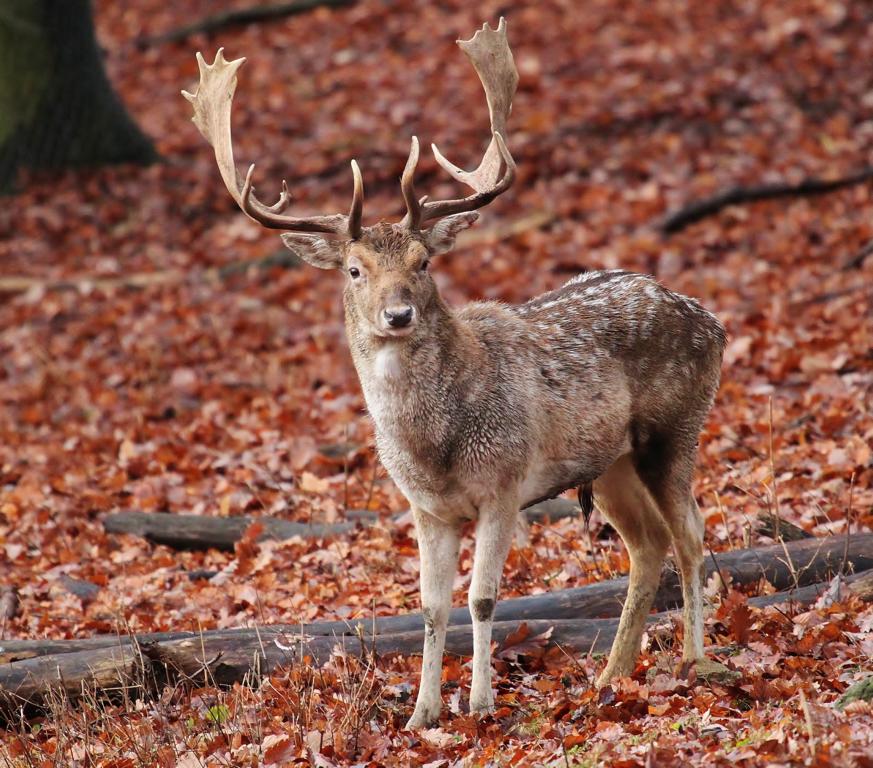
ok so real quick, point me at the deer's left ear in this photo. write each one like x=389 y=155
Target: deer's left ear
x=315 y=250
x=440 y=238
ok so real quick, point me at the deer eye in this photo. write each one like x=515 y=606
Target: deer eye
x=354 y=273
x=424 y=265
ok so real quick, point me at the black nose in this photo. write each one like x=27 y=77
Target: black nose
x=399 y=318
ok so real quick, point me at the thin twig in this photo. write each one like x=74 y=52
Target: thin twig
x=564 y=752
x=774 y=492
x=774 y=509
x=858 y=259
x=718 y=570
x=845 y=562
x=346 y=472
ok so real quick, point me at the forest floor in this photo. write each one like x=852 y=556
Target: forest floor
x=144 y=366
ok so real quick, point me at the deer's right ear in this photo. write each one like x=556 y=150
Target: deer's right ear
x=315 y=250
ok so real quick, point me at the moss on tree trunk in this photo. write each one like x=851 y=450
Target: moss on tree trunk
x=57 y=107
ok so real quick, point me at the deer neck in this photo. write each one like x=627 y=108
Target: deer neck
x=403 y=377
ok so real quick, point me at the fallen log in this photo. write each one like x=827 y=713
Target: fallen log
x=810 y=560
x=198 y=532
x=780 y=530
x=700 y=209
x=20 y=650
x=11 y=651
x=236 y=16
x=225 y=657
x=796 y=564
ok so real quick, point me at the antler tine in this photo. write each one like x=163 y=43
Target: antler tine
x=212 y=107
x=284 y=199
x=506 y=169
x=489 y=52
x=356 y=212
x=412 y=220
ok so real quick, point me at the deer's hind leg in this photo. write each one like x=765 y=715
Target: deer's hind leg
x=628 y=505
x=667 y=467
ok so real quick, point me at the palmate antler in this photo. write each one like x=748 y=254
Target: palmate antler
x=212 y=106
x=489 y=52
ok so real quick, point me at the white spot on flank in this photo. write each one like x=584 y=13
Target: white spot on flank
x=386 y=364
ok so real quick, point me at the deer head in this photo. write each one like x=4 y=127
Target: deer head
x=388 y=289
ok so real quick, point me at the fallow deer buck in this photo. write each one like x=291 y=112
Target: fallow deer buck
x=480 y=411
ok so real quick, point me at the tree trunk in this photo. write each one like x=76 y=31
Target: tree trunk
x=57 y=107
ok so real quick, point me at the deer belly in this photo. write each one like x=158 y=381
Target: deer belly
x=546 y=480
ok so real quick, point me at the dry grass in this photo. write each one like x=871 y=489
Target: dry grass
x=297 y=711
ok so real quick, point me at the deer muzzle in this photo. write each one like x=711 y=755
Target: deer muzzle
x=399 y=319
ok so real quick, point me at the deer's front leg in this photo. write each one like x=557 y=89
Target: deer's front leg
x=438 y=551
x=494 y=532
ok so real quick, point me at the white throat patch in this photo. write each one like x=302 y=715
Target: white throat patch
x=386 y=364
